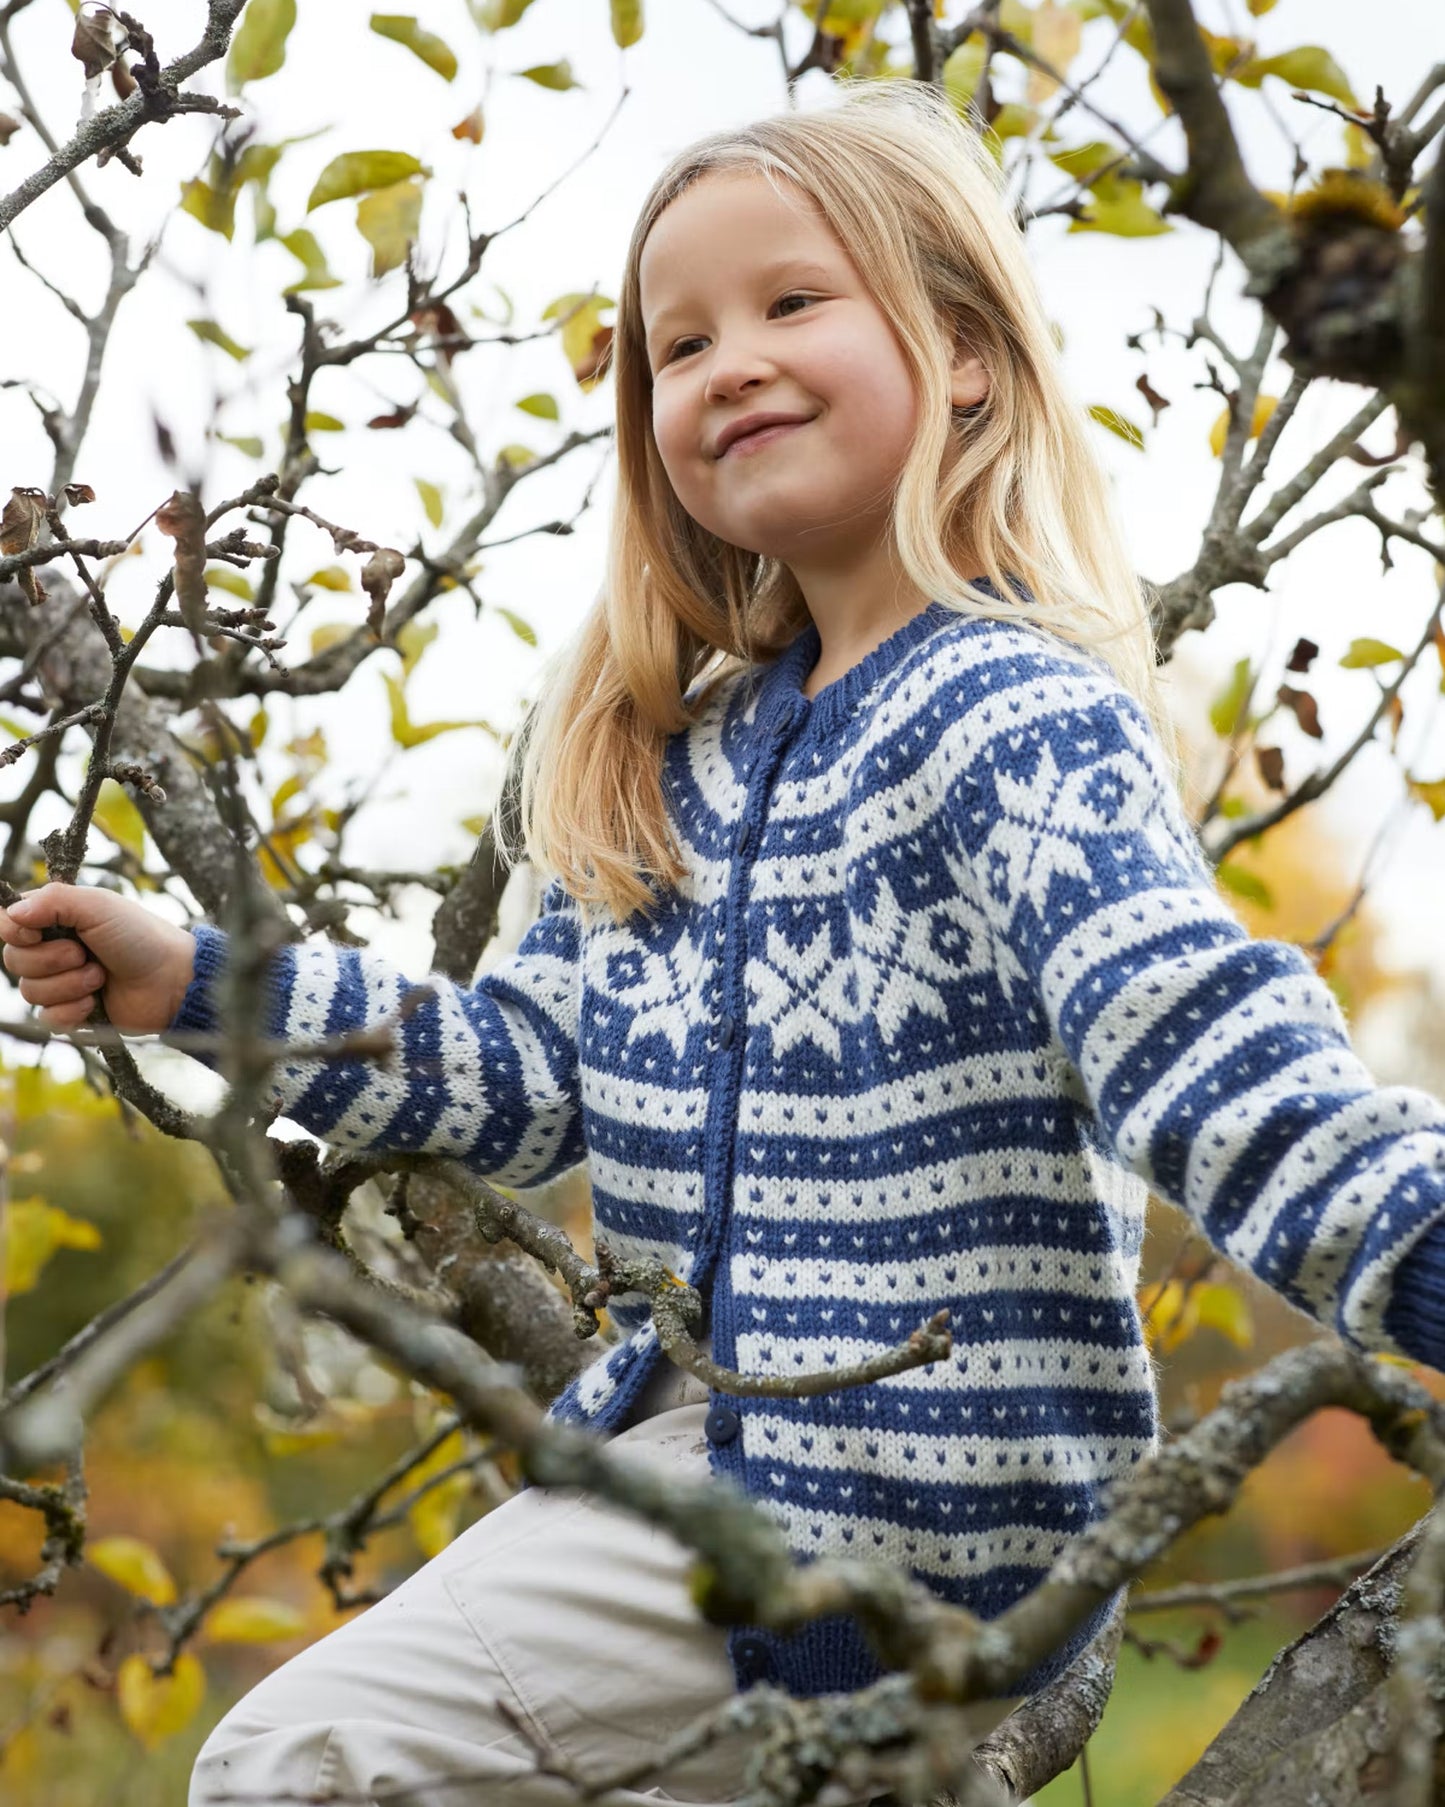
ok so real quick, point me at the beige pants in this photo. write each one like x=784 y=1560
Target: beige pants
x=572 y=1614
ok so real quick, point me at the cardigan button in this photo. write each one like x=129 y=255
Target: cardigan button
x=743 y=835
x=725 y=1032
x=722 y=1424
x=753 y=1659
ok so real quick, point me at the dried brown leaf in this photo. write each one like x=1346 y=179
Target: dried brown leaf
x=1270 y=761
x=94 y=43
x=1306 y=710
x=378 y=574
x=8 y=128
x=1304 y=655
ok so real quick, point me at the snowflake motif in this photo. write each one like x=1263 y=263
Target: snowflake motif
x=666 y=982
x=801 y=994
x=902 y=957
x=1029 y=846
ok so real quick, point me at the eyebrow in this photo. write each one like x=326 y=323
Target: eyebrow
x=767 y=272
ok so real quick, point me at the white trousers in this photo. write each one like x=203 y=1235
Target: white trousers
x=566 y=1614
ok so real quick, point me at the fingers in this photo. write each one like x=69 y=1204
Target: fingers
x=65 y=988
x=43 y=959
x=15 y=934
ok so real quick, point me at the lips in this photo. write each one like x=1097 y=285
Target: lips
x=762 y=432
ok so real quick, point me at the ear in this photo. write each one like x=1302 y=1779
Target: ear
x=968 y=382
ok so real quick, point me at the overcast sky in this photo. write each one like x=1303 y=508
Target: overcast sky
x=690 y=73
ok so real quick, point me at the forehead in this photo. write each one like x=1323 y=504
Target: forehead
x=726 y=225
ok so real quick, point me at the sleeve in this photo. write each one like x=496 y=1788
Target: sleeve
x=1218 y=1067
x=486 y=1074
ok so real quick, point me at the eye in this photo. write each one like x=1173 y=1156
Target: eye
x=677 y=351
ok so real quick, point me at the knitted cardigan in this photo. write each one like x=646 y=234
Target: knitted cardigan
x=947 y=989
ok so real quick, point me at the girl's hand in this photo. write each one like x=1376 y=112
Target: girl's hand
x=141 y=964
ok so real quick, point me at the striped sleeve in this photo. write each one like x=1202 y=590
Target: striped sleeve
x=1218 y=1066
x=486 y=1074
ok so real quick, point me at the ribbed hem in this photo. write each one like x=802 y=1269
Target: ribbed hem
x=832 y=1656
x=1416 y=1318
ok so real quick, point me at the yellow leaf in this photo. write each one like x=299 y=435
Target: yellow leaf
x=34 y=1231
x=253 y=1620
x=1170 y=1316
x=233 y=582
x=412 y=642
x=407 y=733
x=330 y=577
x=118 y=817
x=433 y=1518
x=585 y=340
x=156 y=1707
x=1431 y=791
x=257 y=726
x=136 y=1566
x=1057 y=34
x=389 y=221
x=963 y=71
x=259 y=46
x=329 y=633
x=431 y=499
x=1225 y=1309
x=1264 y=407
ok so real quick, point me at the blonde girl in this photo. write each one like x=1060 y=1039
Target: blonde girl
x=879 y=974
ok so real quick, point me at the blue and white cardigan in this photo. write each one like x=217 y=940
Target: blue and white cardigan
x=947 y=989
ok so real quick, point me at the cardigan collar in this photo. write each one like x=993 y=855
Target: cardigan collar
x=782 y=704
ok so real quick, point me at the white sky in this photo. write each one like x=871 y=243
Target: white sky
x=690 y=73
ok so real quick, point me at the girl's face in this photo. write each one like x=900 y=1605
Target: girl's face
x=751 y=305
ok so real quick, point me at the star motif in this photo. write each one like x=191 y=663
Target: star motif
x=801 y=995
x=902 y=956
x=662 y=985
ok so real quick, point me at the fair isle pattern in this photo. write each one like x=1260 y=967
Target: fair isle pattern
x=947 y=989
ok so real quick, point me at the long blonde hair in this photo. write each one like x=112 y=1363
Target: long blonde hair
x=1014 y=484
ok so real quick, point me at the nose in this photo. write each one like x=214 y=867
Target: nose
x=735 y=367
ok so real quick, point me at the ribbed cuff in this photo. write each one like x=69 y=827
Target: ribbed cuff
x=1416 y=1318
x=199 y=1012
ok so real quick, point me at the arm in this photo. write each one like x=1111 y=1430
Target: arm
x=1219 y=1067
x=486 y=1075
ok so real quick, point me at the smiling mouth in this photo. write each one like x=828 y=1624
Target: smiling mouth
x=763 y=436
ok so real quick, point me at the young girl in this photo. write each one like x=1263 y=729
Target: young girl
x=880 y=973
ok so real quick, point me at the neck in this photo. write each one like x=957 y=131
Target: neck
x=855 y=608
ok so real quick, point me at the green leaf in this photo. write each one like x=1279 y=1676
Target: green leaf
x=215 y=208
x=431 y=500
x=518 y=457
x=330 y=577
x=556 y=76
x=432 y=50
x=626 y=23
x=1119 y=207
x=227 y=578
x=497 y=15
x=1310 y=67
x=209 y=333
x=245 y=442
x=1120 y=424
x=543 y=406
x=524 y=630
x=1245 y=884
x=1228 y=706
x=389 y=220
x=259 y=46
x=303 y=247
x=963 y=71
x=358 y=172
x=1369 y=652
x=1431 y=791
x=317 y=422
